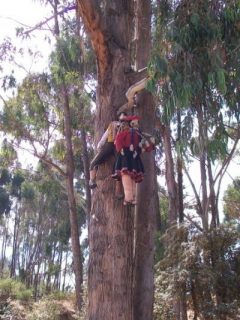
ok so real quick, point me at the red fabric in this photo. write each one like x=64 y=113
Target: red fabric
x=150 y=148
x=130 y=118
x=123 y=140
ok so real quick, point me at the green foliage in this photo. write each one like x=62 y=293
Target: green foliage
x=14 y=289
x=5 y=177
x=17 y=180
x=51 y=309
x=66 y=59
x=201 y=266
x=7 y=154
x=232 y=201
x=6 y=286
x=45 y=310
x=27 y=189
x=194 y=65
x=5 y=202
x=27 y=115
x=59 y=295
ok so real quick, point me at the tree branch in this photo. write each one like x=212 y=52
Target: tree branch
x=39 y=25
x=193 y=222
x=91 y=15
x=194 y=191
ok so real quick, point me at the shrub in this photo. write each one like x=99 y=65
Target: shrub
x=14 y=289
x=44 y=310
x=24 y=295
x=6 y=286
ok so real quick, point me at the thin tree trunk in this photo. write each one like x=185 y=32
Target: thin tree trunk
x=15 y=241
x=4 y=246
x=70 y=168
x=170 y=174
x=212 y=196
x=75 y=233
x=65 y=272
x=85 y=158
x=202 y=142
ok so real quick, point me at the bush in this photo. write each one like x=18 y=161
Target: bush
x=59 y=295
x=44 y=310
x=14 y=289
x=203 y=269
x=6 y=286
x=24 y=295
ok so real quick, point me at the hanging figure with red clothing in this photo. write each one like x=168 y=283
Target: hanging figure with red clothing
x=129 y=144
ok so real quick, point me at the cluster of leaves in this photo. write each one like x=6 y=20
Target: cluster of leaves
x=232 y=201
x=194 y=68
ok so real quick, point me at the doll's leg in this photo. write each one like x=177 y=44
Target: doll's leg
x=134 y=188
x=92 y=182
x=127 y=187
x=100 y=157
x=119 y=190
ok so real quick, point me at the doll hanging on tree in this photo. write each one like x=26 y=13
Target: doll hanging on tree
x=105 y=149
x=128 y=168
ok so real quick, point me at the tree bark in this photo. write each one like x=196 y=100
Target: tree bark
x=75 y=233
x=69 y=177
x=203 y=159
x=86 y=170
x=170 y=173
x=146 y=190
x=111 y=224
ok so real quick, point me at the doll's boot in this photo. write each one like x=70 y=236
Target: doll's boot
x=92 y=181
x=128 y=190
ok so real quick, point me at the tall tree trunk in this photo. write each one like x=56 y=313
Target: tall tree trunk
x=111 y=224
x=70 y=168
x=75 y=233
x=182 y=292
x=146 y=190
x=212 y=196
x=180 y=170
x=170 y=174
x=65 y=272
x=15 y=241
x=203 y=155
x=4 y=247
x=85 y=158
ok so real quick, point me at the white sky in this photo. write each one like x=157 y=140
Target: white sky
x=24 y=13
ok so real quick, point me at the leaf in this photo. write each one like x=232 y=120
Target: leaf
x=220 y=81
x=161 y=65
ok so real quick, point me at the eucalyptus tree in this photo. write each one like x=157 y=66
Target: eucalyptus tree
x=147 y=192
x=194 y=74
x=5 y=207
x=111 y=26
x=35 y=116
x=232 y=201
x=193 y=68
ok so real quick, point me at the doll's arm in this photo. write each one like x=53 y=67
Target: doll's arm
x=102 y=140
